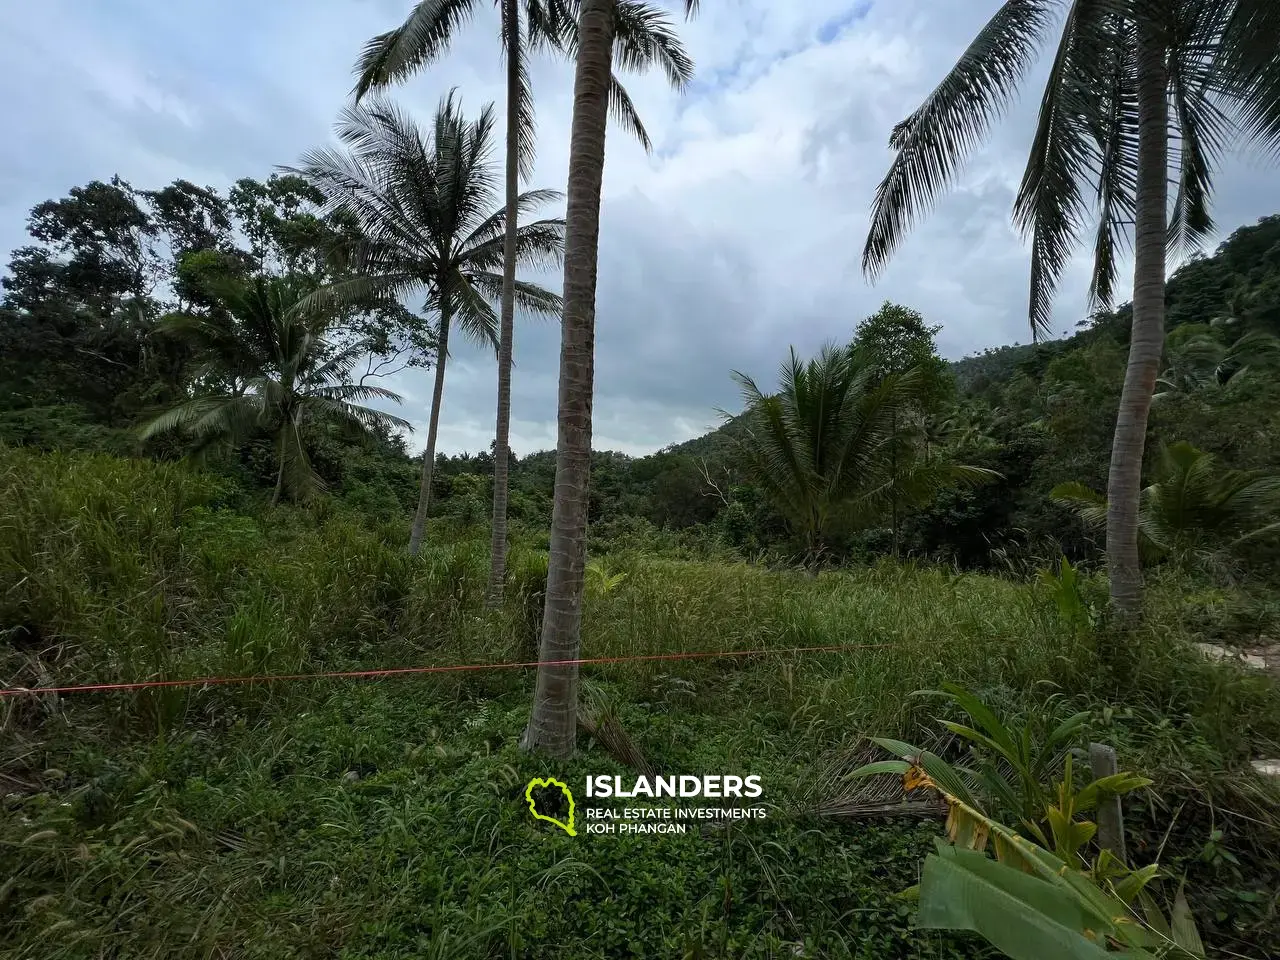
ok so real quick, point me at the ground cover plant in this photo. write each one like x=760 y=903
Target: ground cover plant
x=385 y=818
x=274 y=684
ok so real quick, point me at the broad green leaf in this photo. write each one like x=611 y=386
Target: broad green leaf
x=1116 y=784
x=1067 y=728
x=899 y=767
x=1069 y=835
x=948 y=778
x=1024 y=917
x=904 y=750
x=982 y=715
x=974 y=736
x=1183 y=926
x=1152 y=915
x=1128 y=887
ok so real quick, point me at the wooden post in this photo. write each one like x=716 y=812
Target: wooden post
x=1102 y=761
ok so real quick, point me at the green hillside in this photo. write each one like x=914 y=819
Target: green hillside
x=384 y=816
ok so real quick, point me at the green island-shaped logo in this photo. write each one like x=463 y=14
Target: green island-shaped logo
x=538 y=782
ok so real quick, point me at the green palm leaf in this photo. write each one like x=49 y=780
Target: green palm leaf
x=936 y=138
x=290 y=374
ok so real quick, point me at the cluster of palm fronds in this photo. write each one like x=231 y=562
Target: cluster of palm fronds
x=1193 y=503
x=841 y=444
x=269 y=368
x=1205 y=362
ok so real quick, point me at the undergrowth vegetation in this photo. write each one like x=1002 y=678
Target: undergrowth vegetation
x=385 y=818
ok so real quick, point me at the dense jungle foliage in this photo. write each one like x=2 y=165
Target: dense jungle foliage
x=331 y=818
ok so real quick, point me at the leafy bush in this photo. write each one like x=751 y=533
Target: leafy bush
x=121 y=569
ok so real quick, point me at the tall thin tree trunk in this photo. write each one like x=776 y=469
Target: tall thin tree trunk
x=501 y=449
x=893 y=468
x=1124 y=482
x=429 y=455
x=275 y=496
x=553 y=723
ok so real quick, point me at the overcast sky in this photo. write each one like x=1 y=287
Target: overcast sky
x=738 y=236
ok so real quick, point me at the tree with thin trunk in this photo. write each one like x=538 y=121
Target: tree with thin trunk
x=604 y=26
x=280 y=372
x=423 y=204
x=525 y=26
x=1127 y=76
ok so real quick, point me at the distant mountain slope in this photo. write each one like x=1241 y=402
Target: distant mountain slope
x=1239 y=282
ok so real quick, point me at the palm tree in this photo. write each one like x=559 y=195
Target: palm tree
x=828 y=448
x=423 y=202
x=1191 y=500
x=279 y=371
x=422 y=39
x=1205 y=362
x=1104 y=128
x=602 y=26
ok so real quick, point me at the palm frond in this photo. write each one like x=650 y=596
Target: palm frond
x=644 y=36
x=935 y=140
x=300 y=478
x=365 y=418
x=185 y=416
x=827 y=448
x=493 y=226
x=1249 y=70
x=424 y=205
x=529 y=297
x=422 y=39
x=1200 y=122
x=539 y=245
x=1087 y=131
x=1089 y=504
x=473 y=314
x=527 y=136
x=624 y=112
x=356 y=290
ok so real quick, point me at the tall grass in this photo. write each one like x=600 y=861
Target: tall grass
x=120 y=570
x=384 y=819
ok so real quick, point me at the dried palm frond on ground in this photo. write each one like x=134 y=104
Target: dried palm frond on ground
x=599 y=718
x=833 y=795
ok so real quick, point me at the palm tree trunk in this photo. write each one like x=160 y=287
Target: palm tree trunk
x=501 y=450
x=553 y=722
x=893 y=468
x=429 y=455
x=275 y=496
x=1124 y=482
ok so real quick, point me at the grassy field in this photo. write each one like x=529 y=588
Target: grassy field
x=386 y=818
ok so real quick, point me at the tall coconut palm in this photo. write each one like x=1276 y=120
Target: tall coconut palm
x=828 y=448
x=424 y=204
x=603 y=26
x=279 y=371
x=525 y=25
x=1126 y=76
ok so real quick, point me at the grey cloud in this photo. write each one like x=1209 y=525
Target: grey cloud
x=739 y=236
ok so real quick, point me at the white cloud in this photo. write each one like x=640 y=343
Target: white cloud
x=739 y=236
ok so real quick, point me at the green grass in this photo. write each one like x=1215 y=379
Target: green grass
x=386 y=818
